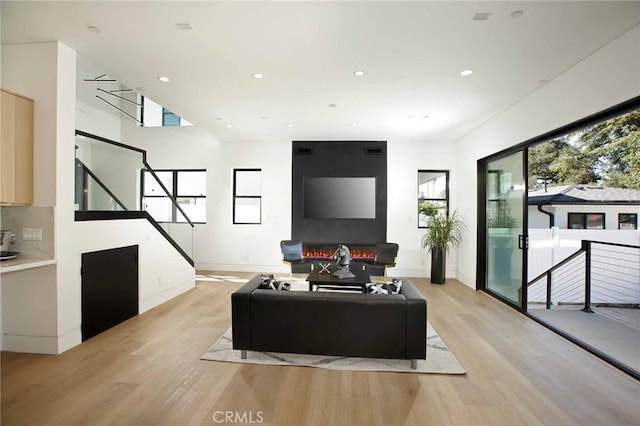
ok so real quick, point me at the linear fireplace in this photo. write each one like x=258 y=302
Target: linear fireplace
x=323 y=251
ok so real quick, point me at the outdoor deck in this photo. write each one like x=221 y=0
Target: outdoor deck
x=614 y=331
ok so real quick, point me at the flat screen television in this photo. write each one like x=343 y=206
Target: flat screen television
x=339 y=197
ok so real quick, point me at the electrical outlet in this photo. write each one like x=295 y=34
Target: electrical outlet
x=32 y=234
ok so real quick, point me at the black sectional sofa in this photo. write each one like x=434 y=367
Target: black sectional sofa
x=324 y=323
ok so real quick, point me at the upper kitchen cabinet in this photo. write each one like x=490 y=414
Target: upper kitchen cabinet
x=16 y=150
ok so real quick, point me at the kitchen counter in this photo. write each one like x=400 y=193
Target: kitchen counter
x=23 y=262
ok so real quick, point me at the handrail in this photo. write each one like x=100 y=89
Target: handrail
x=553 y=268
x=132 y=214
x=171 y=197
x=102 y=185
x=612 y=244
x=111 y=142
x=146 y=165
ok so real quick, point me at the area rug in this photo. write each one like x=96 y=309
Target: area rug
x=439 y=360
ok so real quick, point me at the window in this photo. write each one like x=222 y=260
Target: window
x=188 y=187
x=433 y=195
x=155 y=115
x=627 y=221
x=169 y=118
x=586 y=221
x=247 y=196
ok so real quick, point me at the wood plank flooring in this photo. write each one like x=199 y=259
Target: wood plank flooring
x=147 y=371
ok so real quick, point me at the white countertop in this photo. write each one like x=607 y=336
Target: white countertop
x=23 y=262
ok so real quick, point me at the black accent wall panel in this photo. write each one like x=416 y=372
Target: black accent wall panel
x=315 y=159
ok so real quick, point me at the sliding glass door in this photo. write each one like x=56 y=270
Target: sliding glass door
x=505 y=245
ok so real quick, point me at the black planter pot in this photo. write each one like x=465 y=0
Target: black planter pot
x=438 y=266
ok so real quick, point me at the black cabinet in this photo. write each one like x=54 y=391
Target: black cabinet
x=109 y=289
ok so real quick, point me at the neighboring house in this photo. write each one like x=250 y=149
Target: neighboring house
x=578 y=206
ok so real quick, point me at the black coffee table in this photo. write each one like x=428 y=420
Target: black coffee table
x=319 y=277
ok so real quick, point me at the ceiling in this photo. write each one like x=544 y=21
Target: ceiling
x=412 y=54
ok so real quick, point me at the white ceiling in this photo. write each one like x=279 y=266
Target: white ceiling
x=412 y=53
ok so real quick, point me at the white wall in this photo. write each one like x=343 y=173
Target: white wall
x=31 y=70
x=403 y=162
x=251 y=247
x=605 y=78
x=92 y=120
x=52 y=296
x=220 y=245
x=184 y=148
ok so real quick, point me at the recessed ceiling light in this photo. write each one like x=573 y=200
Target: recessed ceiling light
x=425 y=116
x=333 y=105
x=164 y=79
x=229 y=126
x=354 y=124
x=481 y=16
x=258 y=75
x=517 y=14
x=358 y=73
x=184 y=26
x=290 y=125
x=466 y=73
x=218 y=118
x=93 y=29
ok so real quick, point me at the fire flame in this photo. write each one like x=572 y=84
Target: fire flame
x=325 y=252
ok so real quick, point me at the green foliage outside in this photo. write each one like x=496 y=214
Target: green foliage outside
x=606 y=153
x=428 y=208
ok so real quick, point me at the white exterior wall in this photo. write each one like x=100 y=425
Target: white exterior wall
x=615 y=275
x=605 y=78
x=539 y=220
x=610 y=213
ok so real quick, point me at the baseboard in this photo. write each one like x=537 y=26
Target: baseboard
x=467 y=280
x=163 y=296
x=30 y=344
x=69 y=340
x=407 y=272
x=280 y=269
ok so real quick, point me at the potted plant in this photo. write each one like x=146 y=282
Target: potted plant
x=443 y=233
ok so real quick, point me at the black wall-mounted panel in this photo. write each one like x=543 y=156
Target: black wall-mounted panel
x=109 y=289
x=339 y=159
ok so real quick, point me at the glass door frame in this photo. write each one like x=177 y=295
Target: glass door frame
x=482 y=236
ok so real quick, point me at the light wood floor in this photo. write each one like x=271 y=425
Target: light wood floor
x=147 y=371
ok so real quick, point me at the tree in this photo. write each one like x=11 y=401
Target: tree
x=575 y=165
x=541 y=157
x=615 y=145
x=607 y=153
x=559 y=162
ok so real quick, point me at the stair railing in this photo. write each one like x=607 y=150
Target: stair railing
x=115 y=169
